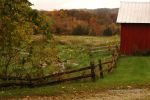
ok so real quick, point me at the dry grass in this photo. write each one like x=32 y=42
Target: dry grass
x=86 y=40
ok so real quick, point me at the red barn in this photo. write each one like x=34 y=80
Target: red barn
x=134 y=18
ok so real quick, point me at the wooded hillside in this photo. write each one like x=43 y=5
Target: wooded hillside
x=84 y=22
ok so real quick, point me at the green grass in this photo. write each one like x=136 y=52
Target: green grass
x=77 y=56
x=131 y=71
x=74 y=50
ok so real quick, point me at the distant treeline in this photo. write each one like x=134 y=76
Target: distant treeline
x=84 y=22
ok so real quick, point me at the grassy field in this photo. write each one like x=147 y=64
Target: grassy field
x=86 y=40
x=132 y=71
x=74 y=50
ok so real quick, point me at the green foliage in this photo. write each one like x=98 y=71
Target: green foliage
x=41 y=23
x=74 y=50
x=80 y=30
x=15 y=30
x=18 y=26
x=108 y=32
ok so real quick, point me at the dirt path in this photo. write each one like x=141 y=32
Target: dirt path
x=124 y=94
x=136 y=94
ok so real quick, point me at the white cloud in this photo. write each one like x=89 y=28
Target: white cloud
x=47 y=4
x=76 y=4
x=91 y=4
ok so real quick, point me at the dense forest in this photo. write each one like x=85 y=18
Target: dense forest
x=84 y=22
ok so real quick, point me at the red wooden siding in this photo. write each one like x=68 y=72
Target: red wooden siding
x=135 y=38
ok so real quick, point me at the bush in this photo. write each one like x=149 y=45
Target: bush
x=80 y=30
x=108 y=32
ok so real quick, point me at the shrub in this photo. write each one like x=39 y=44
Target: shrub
x=80 y=30
x=108 y=32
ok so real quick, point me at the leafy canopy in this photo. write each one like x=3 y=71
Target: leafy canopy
x=18 y=24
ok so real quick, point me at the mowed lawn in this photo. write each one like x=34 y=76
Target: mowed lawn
x=131 y=72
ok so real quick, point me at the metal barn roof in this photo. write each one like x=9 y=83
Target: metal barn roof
x=134 y=12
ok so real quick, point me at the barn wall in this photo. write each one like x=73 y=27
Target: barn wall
x=135 y=38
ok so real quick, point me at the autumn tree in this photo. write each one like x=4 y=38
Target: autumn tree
x=18 y=23
x=67 y=21
x=40 y=23
x=14 y=29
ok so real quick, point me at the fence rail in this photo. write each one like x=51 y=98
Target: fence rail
x=103 y=48
x=33 y=82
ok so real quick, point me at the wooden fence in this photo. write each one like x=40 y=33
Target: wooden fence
x=103 y=67
x=104 y=48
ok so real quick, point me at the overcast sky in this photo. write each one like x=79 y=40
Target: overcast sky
x=77 y=4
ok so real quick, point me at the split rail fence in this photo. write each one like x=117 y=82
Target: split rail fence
x=103 y=67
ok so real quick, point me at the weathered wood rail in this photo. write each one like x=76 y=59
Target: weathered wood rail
x=42 y=81
x=45 y=77
x=103 y=48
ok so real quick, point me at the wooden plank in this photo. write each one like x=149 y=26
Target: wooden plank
x=64 y=80
x=107 y=62
x=2 y=85
x=104 y=47
x=93 y=71
x=11 y=84
x=62 y=73
x=102 y=50
x=45 y=77
x=101 y=69
x=110 y=68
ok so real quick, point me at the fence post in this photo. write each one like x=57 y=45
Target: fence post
x=118 y=51
x=93 y=75
x=101 y=69
x=29 y=80
x=109 y=48
x=114 y=59
x=109 y=68
x=115 y=62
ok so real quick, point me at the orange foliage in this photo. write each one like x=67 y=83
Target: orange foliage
x=65 y=21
